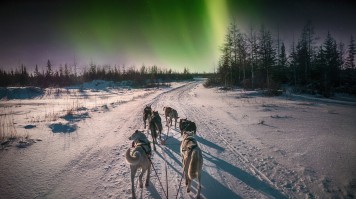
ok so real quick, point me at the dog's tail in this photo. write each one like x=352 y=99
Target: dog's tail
x=196 y=164
x=132 y=159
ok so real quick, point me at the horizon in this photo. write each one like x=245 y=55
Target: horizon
x=172 y=35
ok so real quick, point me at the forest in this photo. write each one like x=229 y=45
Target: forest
x=252 y=60
x=67 y=75
x=258 y=60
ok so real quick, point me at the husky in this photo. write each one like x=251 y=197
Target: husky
x=192 y=160
x=187 y=126
x=155 y=126
x=147 y=114
x=173 y=115
x=139 y=157
x=170 y=113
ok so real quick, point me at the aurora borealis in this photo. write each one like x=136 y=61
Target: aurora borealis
x=168 y=33
x=173 y=34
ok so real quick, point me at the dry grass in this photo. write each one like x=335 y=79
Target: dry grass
x=73 y=107
x=34 y=119
x=7 y=126
x=51 y=116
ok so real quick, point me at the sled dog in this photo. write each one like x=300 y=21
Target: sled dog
x=170 y=113
x=155 y=126
x=187 y=126
x=147 y=113
x=192 y=160
x=139 y=158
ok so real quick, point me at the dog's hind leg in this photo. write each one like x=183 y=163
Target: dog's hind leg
x=199 y=185
x=154 y=141
x=189 y=184
x=133 y=173
x=144 y=121
x=148 y=176
x=140 y=183
x=154 y=137
x=154 y=144
x=186 y=174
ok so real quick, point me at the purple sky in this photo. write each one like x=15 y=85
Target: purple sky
x=139 y=31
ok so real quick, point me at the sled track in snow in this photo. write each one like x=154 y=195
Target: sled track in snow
x=193 y=112
x=180 y=97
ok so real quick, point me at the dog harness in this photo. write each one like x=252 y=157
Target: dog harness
x=190 y=139
x=146 y=147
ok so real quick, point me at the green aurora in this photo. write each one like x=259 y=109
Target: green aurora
x=167 y=33
x=173 y=34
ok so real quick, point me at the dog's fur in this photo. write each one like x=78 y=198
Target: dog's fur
x=192 y=160
x=139 y=158
x=187 y=126
x=173 y=115
x=147 y=114
x=155 y=126
x=170 y=113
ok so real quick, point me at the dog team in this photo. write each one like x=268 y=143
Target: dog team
x=140 y=156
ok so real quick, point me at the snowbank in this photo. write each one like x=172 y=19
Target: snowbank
x=20 y=92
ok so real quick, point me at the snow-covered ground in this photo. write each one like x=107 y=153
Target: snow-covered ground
x=253 y=146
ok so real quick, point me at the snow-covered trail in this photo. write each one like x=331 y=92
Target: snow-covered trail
x=226 y=172
x=252 y=148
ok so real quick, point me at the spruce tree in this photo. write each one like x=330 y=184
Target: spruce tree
x=350 y=60
x=267 y=54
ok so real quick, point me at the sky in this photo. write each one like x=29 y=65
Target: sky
x=167 y=33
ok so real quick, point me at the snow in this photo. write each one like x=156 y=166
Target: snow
x=253 y=146
x=20 y=92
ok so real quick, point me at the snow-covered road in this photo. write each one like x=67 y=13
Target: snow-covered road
x=253 y=147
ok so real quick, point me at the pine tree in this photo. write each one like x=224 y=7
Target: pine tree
x=331 y=70
x=37 y=73
x=66 y=71
x=233 y=42
x=305 y=53
x=225 y=66
x=350 y=60
x=267 y=54
x=280 y=72
x=253 y=52
x=242 y=51
x=49 y=71
x=293 y=63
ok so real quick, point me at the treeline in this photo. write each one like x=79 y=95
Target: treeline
x=144 y=76
x=256 y=60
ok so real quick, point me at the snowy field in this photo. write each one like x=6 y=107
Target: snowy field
x=71 y=143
